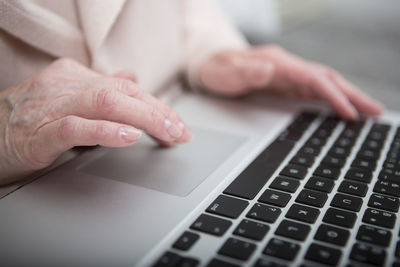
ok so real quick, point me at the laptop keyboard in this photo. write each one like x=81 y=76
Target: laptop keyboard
x=328 y=204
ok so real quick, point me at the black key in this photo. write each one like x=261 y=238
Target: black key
x=364 y=164
x=346 y=202
x=186 y=241
x=344 y=142
x=387 y=177
x=315 y=142
x=211 y=225
x=353 y=188
x=339 y=152
x=254 y=177
x=303 y=213
x=380 y=127
x=264 y=213
x=323 y=254
x=379 y=218
x=333 y=161
x=340 y=217
x=285 y=184
x=237 y=249
x=366 y=254
x=384 y=202
x=388 y=188
x=333 y=235
x=322 y=133
x=303 y=160
x=370 y=144
x=252 y=230
x=189 y=262
x=267 y=263
x=327 y=172
x=397 y=252
x=227 y=206
x=220 y=263
x=169 y=259
x=320 y=184
x=293 y=230
x=377 y=136
x=368 y=154
x=312 y=198
x=274 y=197
x=309 y=150
x=374 y=235
x=395 y=173
x=294 y=171
x=360 y=175
x=281 y=249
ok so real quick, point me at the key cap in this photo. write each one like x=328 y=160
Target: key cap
x=374 y=235
x=227 y=206
x=285 y=184
x=264 y=213
x=220 y=263
x=189 y=262
x=368 y=154
x=333 y=235
x=252 y=230
x=267 y=263
x=397 y=252
x=370 y=144
x=340 y=217
x=379 y=218
x=320 y=184
x=274 y=197
x=323 y=254
x=353 y=188
x=364 y=176
x=254 y=177
x=312 y=198
x=327 y=172
x=303 y=213
x=315 y=142
x=344 y=142
x=186 y=241
x=388 y=188
x=303 y=160
x=211 y=225
x=339 y=152
x=333 y=161
x=294 y=230
x=384 y=202
x=346 y=202
x=364 y=164
x=169 y=259
x=237 y=249
x=281 y=249
x=366 y=254
x=294 y=171
x=309 y=150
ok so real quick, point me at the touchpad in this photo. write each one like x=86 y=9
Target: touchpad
x=176 y=170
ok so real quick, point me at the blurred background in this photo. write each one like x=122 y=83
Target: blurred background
x=359 y=38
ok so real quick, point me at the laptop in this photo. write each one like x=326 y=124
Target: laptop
x=266 y=181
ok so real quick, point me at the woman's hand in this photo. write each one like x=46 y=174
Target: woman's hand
x=69 y=105
x=272 y=68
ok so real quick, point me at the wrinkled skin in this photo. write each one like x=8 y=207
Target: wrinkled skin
x=68 y=105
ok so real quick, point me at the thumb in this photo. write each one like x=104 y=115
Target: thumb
x=256 y=72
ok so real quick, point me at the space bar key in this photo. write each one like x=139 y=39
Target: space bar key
x=254 y=177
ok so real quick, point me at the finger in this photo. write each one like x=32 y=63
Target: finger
x=328 y=91
x=360 y=100
x=126 y=74
x=108 y=104
x=130 y=88
x=71 y=131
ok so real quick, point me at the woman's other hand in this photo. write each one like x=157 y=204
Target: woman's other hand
x=272 y=68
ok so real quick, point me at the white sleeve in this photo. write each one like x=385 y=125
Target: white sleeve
x=206 y=31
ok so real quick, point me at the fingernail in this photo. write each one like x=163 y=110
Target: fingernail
x=187 y=136
x=173 y=129
x=129 y=134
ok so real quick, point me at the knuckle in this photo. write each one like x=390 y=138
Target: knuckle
x=130 y=87
x=64 y=62
x=67 y=128
x=105 y=99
